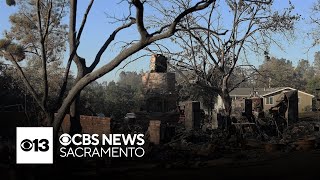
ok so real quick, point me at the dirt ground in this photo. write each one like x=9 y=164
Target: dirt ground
x=302 y=165
x=277 y=165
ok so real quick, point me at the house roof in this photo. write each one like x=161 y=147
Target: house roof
x=251 y=91
x=247 y=92
x=286 y=88
x=240 y=92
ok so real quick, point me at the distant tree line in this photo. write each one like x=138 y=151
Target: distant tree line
x=280 y=72
x=112 y=99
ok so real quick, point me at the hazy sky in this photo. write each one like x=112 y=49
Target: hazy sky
x=98 y=29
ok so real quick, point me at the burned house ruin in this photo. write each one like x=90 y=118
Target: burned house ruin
x=159 y=86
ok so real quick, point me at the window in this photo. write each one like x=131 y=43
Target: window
x=269 y=100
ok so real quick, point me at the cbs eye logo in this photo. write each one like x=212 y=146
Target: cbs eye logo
x=38 y=145
x=65 y=139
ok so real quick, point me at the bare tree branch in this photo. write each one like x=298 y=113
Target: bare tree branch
x=172 y=28
x=107 y=43
x=27 y=83
x=45 y=85
x=131 y=61
x=73 y=54
x=48 y=21
x=140 y=24
x=84 y=20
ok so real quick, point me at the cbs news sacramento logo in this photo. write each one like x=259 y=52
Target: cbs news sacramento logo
x=35 y=145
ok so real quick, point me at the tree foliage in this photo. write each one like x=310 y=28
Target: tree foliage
x=37 y=36
x=25 y=28
x=11 y=2
x=11 y=51
x=313 y=84
x=280 y=72
x=113 y=99
x=276 y=73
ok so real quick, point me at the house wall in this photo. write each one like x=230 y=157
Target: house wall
x=276 y=99
x=305 y=101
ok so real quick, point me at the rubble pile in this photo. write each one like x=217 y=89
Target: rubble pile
x=190 y=145
x=301 y=130
x=303 y=135
x=217 y=143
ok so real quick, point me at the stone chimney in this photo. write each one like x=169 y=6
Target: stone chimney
x=159 y=86
x=158 y=63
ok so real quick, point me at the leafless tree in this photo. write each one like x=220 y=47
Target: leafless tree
x=212 y=43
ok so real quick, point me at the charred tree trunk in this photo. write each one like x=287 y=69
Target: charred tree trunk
x=211 y=106
x=48 y=119
x=225 y=96
x=75 y=124
x=227 y=109
x=227 y=104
